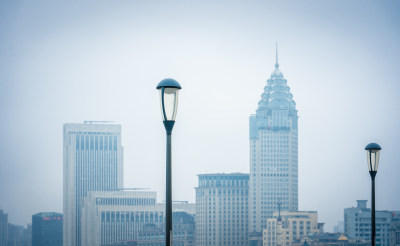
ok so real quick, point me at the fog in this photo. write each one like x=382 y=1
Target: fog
x=101 y=60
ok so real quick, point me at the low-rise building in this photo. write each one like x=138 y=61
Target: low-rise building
x=288 y=227
x=394 y=229
x=110 y=217
x=357 y=223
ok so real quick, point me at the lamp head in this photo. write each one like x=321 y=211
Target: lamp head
x=169 y=91
x=373 y=152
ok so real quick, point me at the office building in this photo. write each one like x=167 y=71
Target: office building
x=222 y=209
x=183 y=231
x=93 y=161
x=115 y=217
x=357 y=223
x=339 y=228
x=273 y=153
x=394 y=229
x=28 y=235
x=183 y=225
x=16 y=235
x=3 y=228
x=47 y=229
x=287 y=227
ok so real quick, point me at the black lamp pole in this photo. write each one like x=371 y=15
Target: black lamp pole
x=373 y=151
x=168 y=192
x=373 y=228
x=169 y=91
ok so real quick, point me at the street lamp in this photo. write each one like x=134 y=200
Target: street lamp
x=373 y=150
x=169 y=91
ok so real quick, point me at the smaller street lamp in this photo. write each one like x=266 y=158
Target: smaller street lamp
x=373 y=151
x=169 y=91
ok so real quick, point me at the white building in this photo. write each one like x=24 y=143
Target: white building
x=273 y=153
x=222 y=209
x=357 y=223
x=109 y=217
x=93 y=160
x=288 y=227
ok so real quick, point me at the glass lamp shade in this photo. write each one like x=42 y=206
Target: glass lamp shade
x=373 y=151
x=169 y=92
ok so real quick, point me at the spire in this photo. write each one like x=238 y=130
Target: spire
x=276 y=63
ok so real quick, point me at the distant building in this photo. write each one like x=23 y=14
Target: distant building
x=93 y=161
x=3 y=228
x=151 y=235
x=357 y=223
x=183 y=225
x=339 y=228
x=183 y=232
x=273 y=153
x=287 y=227
x=28 y=235
x=222 y=209
x=394 y=229
x=114 y=217
x=330 y=239
x=16 y=235
x=47 y=229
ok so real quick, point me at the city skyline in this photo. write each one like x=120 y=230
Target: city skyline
x=85 y=61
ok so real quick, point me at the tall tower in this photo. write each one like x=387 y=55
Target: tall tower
x=273 y=152
x=93 y=161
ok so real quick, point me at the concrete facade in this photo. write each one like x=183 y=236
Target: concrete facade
x=112 y=217
x=289 y=227
x=222 y=209
x=93 y=160
x=357 y=223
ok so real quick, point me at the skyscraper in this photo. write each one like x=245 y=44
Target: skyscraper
x=222 y=209
x=3 y=228
x=47 y=229
x=273 y=152
x=93 y=161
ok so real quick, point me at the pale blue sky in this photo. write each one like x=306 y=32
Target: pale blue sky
x=101 y=60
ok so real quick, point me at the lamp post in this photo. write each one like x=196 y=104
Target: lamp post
x=169 y=91
x=373 y=150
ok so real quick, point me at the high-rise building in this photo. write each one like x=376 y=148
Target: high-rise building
x=287 y=228
x=93 y=161
x=28 y=235
x=47 y=229
x=3 y=228
x=16 y=235
x=357 y=223
x=273 y=153
x=222 y=209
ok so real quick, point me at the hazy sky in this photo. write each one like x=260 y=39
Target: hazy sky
x=101 y=60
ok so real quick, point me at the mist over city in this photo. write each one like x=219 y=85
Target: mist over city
x=277 y=103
